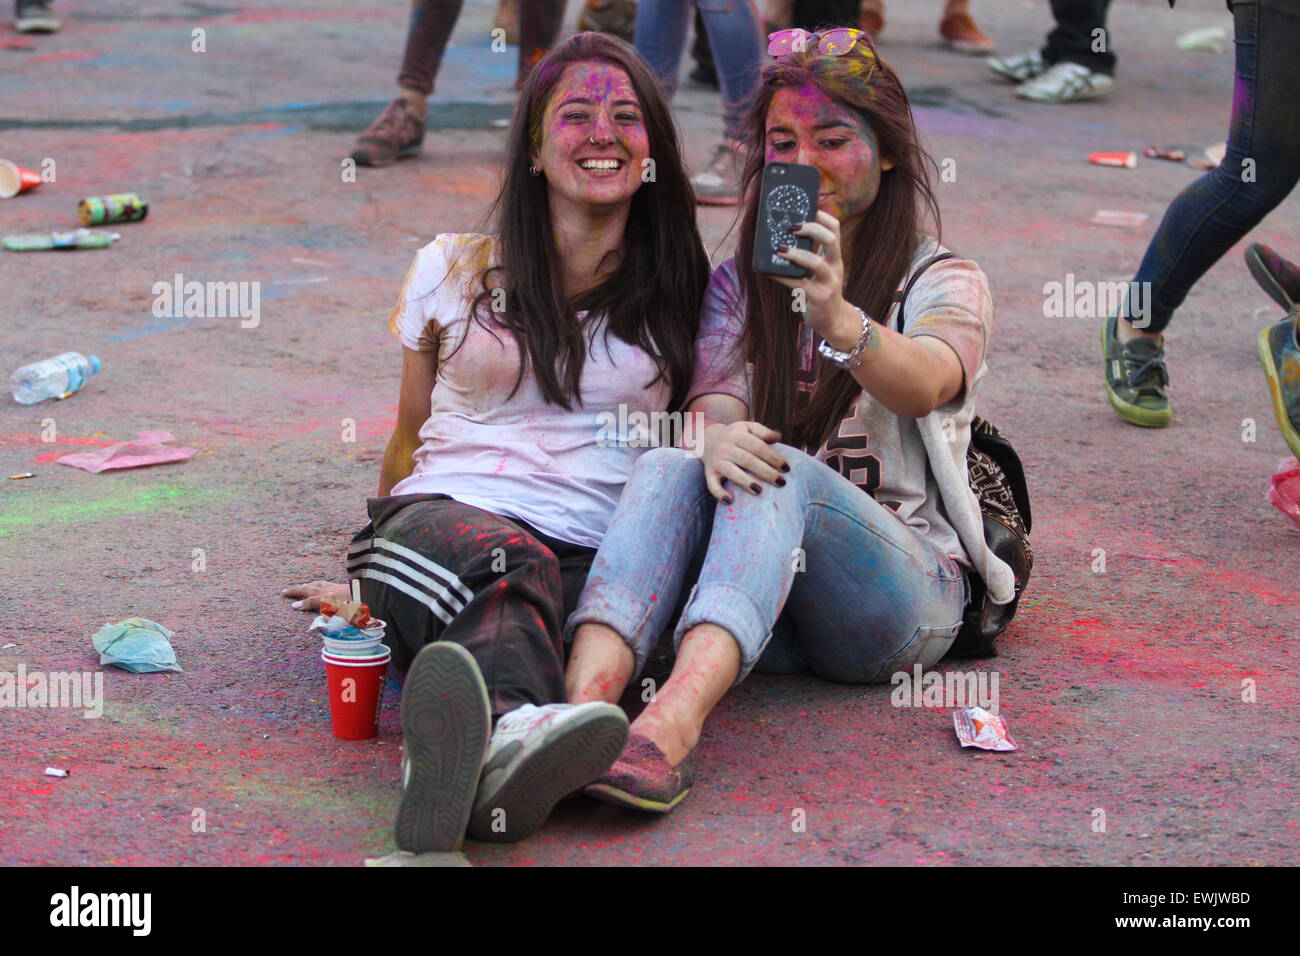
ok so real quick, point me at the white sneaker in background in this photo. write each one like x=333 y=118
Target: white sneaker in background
x=1065 y=83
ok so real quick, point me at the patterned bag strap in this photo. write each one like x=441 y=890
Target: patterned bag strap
x=901 y=297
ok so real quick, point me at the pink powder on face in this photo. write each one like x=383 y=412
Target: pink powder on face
x=593 y=100
x=806 y=126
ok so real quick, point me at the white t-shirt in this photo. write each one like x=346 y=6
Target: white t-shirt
x=519 y=457
x=882 y=453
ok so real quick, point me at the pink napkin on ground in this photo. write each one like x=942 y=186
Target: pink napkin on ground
x=1284 y=489
x=149 y=449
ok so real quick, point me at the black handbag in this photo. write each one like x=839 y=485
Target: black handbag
x=998 y=480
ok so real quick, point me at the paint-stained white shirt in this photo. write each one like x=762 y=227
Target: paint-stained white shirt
x=519 y=457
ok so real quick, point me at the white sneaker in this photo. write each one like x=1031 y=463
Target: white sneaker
x=1019 y=68
x=446 y=719
x=538 y=756
x=719 y=184
x=1065 y=83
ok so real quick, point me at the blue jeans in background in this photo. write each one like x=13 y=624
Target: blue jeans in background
x=1261 y=167
x=863 y=595
x=735 y=32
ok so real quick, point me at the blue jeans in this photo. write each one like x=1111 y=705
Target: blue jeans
x=735 y=32
x=864 y=595
x=1261 y=167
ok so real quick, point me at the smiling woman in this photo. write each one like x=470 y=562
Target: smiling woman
x=844 y=551
x=497 y=486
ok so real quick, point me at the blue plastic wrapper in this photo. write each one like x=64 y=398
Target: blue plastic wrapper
x=138 y=645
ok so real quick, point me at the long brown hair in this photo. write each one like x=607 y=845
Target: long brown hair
x=653 y=297
x=875 y=264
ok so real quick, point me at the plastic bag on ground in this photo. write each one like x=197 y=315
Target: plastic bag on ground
x=138 y=645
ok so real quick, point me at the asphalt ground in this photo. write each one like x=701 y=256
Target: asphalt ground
x=1123 y=680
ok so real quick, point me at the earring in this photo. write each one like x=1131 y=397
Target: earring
x=534 y=170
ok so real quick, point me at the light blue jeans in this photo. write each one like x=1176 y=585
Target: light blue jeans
x=735 y=36
x=863 y=595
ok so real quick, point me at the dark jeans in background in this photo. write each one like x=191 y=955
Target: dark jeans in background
x=433 y=20
x=811 y=14
x=1214 y=212
x=1072 y=39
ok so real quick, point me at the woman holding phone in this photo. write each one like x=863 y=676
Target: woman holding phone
x=500 y=481
x=845 y=549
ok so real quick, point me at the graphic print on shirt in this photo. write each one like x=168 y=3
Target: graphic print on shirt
x=847 y=450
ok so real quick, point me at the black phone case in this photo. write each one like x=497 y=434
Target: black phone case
x=788 y=195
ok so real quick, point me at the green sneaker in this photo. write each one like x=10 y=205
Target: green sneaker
x=1279 y=352
x=1136 y=378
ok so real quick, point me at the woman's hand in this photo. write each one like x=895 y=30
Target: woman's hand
x=312 y=592
x=824 y=308
x=741 y=452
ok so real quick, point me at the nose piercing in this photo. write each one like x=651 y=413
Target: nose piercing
x=593 y=140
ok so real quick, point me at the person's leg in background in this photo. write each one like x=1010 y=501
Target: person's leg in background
x=956 y=25
x=539 y=26
x=1076 y=62
x=1260 y=169
x=660 y=37
x=735 y=32
x=959 y=30
x=35 y=16
x=1078 y=55
x=398 y=133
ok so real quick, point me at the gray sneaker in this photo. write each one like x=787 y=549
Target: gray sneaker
x=719 y=185
x=537 y=756
x=446 y=719
x=35 y=16
x=1065 y=83
x=1019 y=68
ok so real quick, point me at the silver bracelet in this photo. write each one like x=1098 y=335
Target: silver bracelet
x=853 y=357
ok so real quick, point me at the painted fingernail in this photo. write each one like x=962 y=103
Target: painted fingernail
x=785 y=468
x=728 y=500
x=756 y=488
x=796 y=227
x=780 y=482
x=782 y=248
x=296 y=605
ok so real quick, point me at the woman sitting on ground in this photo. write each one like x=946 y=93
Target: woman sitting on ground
x=497 y=485
x=844 y=551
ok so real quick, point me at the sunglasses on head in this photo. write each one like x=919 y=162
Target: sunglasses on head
x=835 y=42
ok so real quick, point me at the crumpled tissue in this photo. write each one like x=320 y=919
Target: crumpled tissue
x=149 y=449
x=138 y=645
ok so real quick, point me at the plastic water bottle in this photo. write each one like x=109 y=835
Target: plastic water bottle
x=52 y=378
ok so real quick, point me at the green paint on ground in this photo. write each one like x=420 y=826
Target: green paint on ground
x=34 y=510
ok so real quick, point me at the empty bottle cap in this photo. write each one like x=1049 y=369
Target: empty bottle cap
x=94 y=363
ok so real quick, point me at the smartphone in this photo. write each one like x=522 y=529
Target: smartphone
x=788 y=195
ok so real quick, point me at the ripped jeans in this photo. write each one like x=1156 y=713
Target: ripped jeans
x=863 y=594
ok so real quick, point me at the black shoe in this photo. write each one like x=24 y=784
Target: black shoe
x=1276 y=276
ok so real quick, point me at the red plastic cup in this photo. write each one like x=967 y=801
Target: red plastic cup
x=14 y=179
x=355 y=688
